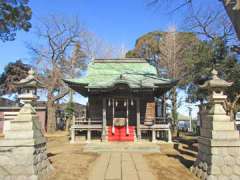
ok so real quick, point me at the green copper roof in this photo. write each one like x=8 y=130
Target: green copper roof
x=106 y=73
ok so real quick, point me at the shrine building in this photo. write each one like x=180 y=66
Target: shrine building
x=126 y=101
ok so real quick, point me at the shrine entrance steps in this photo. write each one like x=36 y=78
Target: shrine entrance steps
x=139 y=147
x=120 y=133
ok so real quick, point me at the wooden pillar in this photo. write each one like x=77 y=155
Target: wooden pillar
x=89 y=130
x=104 y=119
x=158 y=134
x=138 y=120
x=113 y=111
x=169 y=134
x=153 y=135
x=127 y=129
x=88 y=135
x=164 y=107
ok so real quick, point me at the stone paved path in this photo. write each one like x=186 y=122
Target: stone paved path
x=121 y=166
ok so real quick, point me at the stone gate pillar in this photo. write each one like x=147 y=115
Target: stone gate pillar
x=219 y=142
x=23 y=151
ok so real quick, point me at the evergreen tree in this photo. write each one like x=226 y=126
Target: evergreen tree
x=167 y=51
x=14 y=15
x=13 y=72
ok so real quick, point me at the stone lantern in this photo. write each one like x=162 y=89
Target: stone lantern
x=27 y=88
x=23 y=150
x=219 y=141
x=215 y=87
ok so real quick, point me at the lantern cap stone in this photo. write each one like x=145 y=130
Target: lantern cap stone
x=215 y=82
x=30 y=81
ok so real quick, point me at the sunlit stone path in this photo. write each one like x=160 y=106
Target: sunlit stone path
x=121 y=166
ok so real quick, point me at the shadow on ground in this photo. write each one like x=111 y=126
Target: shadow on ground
x=68 y=160
x=187 y=163
x=174 y=160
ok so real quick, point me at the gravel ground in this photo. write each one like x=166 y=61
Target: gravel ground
x=68 y=160
x=71 y=163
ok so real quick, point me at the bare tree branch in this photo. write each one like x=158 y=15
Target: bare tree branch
x=210 y=23
x=180 y=4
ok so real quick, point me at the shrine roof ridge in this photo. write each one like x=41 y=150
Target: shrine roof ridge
x=120 y=60
x=135 y=73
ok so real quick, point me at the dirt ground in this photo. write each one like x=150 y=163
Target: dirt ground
x=71 y=163
x=69 y=160
x=173 y=162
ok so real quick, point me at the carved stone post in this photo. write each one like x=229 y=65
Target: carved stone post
x=219 y=142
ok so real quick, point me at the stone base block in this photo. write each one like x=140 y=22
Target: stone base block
x=217 y=162
x=24 y=162
x=223 y=134
x=218 y=125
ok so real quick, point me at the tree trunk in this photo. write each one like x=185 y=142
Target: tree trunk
x=69 y=123
x=231 y=114
x=51 y=110
x=51 y=116
x=174 y=107
x=233 y=11
x=67 y=127
x=232 y=106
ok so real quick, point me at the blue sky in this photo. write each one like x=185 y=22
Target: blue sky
x=119 y=22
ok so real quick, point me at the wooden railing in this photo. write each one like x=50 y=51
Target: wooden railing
x=161 y=120
x=84 y=121
x=98 y=120
x=156 y=120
